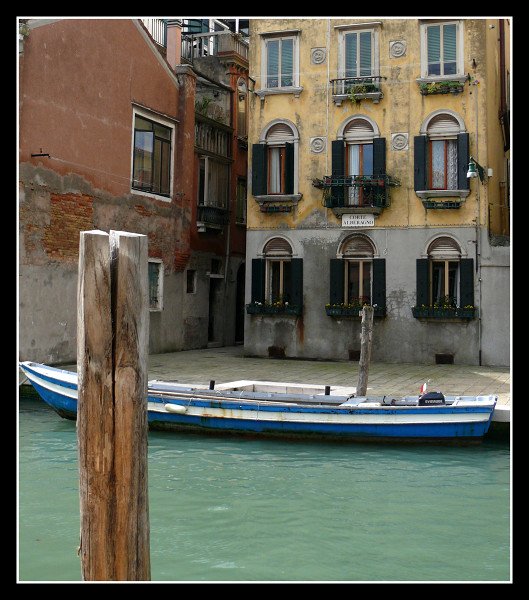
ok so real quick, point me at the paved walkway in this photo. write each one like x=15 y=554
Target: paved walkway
x=230 y=364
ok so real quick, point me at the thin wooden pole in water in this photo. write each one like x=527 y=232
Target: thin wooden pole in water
x=365 y=350
x=112 y=428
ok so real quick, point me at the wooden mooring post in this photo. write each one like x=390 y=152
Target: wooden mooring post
x=365 y=350
x=112 y=428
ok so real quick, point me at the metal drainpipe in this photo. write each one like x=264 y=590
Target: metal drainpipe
x=478 y=229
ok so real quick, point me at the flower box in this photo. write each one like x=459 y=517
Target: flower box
x=443 y=87
x=352 y=311
x=435 y=312
x=273 y=309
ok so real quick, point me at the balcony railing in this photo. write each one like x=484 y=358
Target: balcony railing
x=213 y=43
x=356 y=191
x=211 y=217
x=158 y=30
x=357 y=88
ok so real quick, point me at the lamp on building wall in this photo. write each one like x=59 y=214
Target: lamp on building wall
x=471 y=173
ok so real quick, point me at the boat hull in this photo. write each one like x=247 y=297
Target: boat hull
x=180 y=408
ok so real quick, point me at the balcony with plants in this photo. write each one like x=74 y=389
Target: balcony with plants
x=357 y=89
x=361 y=193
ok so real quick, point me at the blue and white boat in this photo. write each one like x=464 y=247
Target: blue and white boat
x=258 y=408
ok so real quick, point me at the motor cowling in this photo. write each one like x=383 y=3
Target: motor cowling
x=432 y=399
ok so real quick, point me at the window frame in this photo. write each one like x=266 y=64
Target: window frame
x=260 y=165
x=266 y=39
x=170 y=125
x=422 y=158
x=361 y=292
x=211 y=168
x=459 y=75
x=343 y=32
x=156 y=306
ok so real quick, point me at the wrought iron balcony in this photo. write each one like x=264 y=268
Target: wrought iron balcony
x=357 y=191
x=357 y=88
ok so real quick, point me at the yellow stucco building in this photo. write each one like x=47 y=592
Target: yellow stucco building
x=362 y=133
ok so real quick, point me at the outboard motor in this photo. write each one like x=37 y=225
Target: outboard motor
x=431 y=399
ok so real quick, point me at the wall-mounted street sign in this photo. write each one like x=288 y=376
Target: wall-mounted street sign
x=366 y=220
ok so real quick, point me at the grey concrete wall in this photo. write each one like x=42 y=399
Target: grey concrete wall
x=399 y=337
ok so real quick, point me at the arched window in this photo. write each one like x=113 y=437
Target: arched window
x=274 y=160
x=278 y=138
x=444 y=254
x=445 y=278
x=278 y=253
x=442 y=154
x=357 y=252
x=358 y=137
x=357 y=151
x=278 y=276
x=356 y=276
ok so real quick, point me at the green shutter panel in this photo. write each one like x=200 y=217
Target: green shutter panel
x=338 y=170
x=379 y=282
x=463 y=157
x=258 y=279
x=466 y=282
x=379 y=156
x=259 y=169
x=420 y=181
x=296 y=281
x=289 y=168
x=337 y=281
x=422 y=282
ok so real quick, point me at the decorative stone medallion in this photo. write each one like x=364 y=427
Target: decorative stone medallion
x=318 y=145
x=397 y=49
x=399 y=141
x=317 y=56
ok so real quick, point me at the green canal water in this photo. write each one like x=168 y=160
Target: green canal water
x=231 y=509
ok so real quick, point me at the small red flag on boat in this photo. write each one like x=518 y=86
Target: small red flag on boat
x=423 y=388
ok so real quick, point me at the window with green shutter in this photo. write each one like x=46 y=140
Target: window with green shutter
x=357 y=277
x=445 y=282
x=277 y=280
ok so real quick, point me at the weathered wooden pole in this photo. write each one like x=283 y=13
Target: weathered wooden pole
x=112 y=428
x=365 y=350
